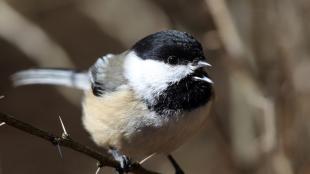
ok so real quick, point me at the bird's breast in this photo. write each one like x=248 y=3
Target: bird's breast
x=121 y=120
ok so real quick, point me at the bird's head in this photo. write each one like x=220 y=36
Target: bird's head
x=162 y=59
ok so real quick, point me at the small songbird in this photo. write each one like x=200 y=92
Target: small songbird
x=147 y=100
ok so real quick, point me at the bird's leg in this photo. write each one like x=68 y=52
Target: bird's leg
x=175 y=165
x=124 y=161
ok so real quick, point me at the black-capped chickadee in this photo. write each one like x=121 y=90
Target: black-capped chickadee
x=148 y=100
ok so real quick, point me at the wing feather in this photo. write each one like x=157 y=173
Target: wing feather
x=107 y=74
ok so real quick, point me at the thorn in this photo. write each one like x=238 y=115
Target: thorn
x=99 y=165
x=59 y=151
x=65 y=133
x=56 y=142
x=147 y=158
x=3 y=123
x=98 y=170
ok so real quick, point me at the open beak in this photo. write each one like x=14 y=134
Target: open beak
x=202 y=64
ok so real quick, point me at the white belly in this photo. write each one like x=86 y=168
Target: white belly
x=122 y=121
x=167 y=135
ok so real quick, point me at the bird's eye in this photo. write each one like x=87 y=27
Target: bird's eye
x=172 y=60
x=195 y=61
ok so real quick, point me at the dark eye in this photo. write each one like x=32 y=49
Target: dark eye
x=195 y=61
x=172 y=60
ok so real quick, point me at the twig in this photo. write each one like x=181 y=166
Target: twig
x=50 y=54
x=226 y=27
x=69 y=143
x=229 y=33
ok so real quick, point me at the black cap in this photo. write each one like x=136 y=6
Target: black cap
x=171 y=46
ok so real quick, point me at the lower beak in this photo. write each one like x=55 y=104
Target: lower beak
x=206 y=79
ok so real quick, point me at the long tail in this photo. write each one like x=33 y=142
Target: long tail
x=64 y=77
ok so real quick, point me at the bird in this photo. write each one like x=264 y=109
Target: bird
x=145 y=101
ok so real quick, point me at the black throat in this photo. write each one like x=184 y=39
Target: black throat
x=185 y=95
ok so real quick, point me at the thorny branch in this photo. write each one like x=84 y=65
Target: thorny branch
x=103 y=160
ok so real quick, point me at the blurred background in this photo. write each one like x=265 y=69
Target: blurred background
x=259 y=49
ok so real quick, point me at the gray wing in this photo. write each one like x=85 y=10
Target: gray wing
x=107 y=74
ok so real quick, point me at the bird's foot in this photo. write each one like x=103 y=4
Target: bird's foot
x=125 y=163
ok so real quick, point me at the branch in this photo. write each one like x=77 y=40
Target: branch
x=64 y=141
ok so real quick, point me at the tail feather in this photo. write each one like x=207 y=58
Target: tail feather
x=62 y=77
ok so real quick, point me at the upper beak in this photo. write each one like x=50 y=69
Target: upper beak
x=203 y=64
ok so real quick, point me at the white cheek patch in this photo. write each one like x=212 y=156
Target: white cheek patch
x=150 y=77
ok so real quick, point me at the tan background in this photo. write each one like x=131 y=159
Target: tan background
x=259 y=50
